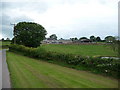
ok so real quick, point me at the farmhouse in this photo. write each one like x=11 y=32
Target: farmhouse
x=48 y=41
x=85 y=41
x=60 y=41
x=65 y=41
x=82 y=41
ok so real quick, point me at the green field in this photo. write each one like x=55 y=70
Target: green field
x=30 y=73
x=5 y=42
x=84 y=50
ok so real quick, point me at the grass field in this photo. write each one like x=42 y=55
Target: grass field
x=30 y=73
x=5 y=43
x=85 y=50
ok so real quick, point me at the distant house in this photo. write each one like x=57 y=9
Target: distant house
x=60 y=41
x=65 y=41
x=48 y=41
x=82 y=41
x=85 y=41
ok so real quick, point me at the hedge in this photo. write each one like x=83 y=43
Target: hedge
x=104 y=66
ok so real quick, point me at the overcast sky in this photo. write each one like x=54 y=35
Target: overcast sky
x=65 y=18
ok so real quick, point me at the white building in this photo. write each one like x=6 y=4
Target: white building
x=60 y=41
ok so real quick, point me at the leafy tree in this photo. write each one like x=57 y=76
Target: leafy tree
x=98 y=39
x=29 y=34
x=109 y=39
x=116 y=45
x=61 y=39
x=76 y=38
x=83 y=38
x=2 y=39
x=92 y=38
x=72 y=39
x=7 y=39
x=53 y=37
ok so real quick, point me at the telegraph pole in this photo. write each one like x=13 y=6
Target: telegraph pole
x=13 y=32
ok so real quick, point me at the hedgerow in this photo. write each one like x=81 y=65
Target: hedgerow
x=104 y=66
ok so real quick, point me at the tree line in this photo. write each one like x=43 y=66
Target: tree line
x=92 y=38
x=108 y=39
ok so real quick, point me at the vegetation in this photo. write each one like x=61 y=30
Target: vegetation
x=116 y=46
x=30 y=73
x=4 y=44
x=73 y=39
x=109 y=39
x=93 y=38
x=94 y=64
x=83 y=38
x=53 y=37
x=98 y=39
x=84 y=50
x=29 y=34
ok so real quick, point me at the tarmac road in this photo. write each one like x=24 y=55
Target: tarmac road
x=5 y=73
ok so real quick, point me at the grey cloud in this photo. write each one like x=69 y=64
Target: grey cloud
x=25 y=6
x=7 y=29
x=102 y=2
x=5 y=19
x=87 y=30
x=21 y=19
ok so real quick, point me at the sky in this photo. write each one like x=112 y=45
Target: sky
x=65 y=18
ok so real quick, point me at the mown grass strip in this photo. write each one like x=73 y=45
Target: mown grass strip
x=31 y=73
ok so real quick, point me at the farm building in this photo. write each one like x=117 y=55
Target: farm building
x=60 y=41
x=83 y=41
x=65 y=41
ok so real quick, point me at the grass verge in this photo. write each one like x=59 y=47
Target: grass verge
x=30 y=73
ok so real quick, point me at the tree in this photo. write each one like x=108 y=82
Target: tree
x=29 y=34
x=109 y=39
x=83 y=38
x=2 y=39
x=98 y=39
x=92 y=38
x=61 y=39
x=53 y=37
x=7 y=39
x=116 y=45
x=74 y=39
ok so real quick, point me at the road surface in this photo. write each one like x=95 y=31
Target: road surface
x=5 y=73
